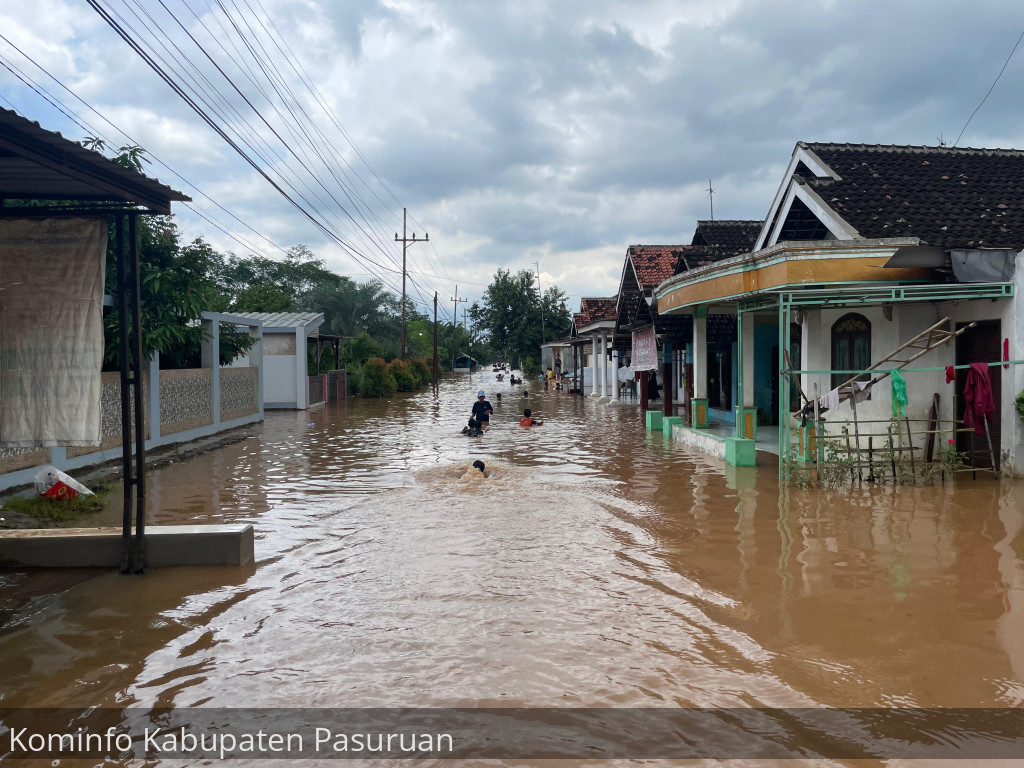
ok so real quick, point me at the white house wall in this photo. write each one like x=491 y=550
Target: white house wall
x=909 y=320
x=279 y=386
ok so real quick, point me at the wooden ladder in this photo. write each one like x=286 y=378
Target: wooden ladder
x=920 y=345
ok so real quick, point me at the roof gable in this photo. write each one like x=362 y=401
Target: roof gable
x=653 y=264
x=946 y=197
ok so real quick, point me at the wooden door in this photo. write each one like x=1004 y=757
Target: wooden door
x=980 y=344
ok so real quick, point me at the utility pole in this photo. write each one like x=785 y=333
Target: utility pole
x=435 y=343
x=711 y=197
x=542 y=339
x=405 y=244
x=465 y=327
x=455 y=320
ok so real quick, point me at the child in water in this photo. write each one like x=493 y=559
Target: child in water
x=472 y=429
x=528 y=420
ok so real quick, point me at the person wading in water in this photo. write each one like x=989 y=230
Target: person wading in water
x=482 y=409
x=528 y=420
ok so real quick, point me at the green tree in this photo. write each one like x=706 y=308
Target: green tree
x=509 y=315
x=363 y=347
x=262 y=298
x=557 y=317
x=295 y=276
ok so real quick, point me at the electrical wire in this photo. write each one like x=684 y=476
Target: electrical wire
x=991 y=88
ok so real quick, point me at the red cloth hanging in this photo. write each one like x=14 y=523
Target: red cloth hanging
x=950 y=373
x=978 y=402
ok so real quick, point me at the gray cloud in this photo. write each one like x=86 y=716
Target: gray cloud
x=565 y=131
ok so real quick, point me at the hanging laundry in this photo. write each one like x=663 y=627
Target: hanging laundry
x=830 y=400
x=978 y=402
x=950 y=373
x=861 y=391
x=899 y=395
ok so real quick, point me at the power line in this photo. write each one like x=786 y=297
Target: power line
x=316 y=220
x=991 y=88
x=86 y=126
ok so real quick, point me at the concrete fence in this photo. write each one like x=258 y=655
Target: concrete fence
x=186 y=405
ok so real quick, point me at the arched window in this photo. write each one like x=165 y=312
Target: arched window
x=851 y=346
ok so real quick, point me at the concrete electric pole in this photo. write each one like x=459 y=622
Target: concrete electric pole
x=405 y=244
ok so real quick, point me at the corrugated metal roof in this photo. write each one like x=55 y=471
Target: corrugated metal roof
x=37 y=164
x=311 y=320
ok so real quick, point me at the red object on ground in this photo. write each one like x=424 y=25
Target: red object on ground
x=60 y=491
x=950 y=373
x=978 y=398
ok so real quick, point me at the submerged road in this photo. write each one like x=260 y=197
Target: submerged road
x=597 y=566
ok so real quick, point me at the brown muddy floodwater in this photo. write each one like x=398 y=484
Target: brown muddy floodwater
x=599 y=565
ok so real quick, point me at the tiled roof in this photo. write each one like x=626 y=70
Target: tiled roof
x=728 y=237
x=694 y=256
x=595 y=310
x=946 y=197
x=654 y=263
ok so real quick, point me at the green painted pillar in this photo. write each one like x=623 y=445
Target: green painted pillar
x=746 y=421
x=654 y=420
x=699 y=412
x=811 y=448
x=669 y=423
x=740 y=452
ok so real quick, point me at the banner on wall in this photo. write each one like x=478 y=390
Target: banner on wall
x=645 y=350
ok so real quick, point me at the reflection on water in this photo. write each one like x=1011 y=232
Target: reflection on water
x=598 y=565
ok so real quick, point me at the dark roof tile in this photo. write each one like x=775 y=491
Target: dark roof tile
x=729 y=237
x=947 y=197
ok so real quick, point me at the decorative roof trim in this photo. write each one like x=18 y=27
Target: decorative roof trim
x=801 y=153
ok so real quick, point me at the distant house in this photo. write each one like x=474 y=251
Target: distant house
x=593 y=331
x=865 y=247
x=644 y=269
x=464 y=364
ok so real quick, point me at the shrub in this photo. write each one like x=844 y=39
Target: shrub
x=404 y=379
x=353 y=377
x=530 y=368
x=421 y=370
x=376 y=379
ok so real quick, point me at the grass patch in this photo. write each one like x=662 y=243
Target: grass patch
x=59 y=512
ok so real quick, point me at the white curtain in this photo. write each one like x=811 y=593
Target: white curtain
x=51 y=331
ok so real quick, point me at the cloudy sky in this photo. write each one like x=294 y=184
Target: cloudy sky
x=558 y=132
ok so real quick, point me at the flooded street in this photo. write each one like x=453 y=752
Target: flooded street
x=599 y=565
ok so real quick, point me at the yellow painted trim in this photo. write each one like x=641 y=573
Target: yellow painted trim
x=862 y=269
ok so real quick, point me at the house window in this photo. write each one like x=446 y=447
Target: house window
x=851 y=346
